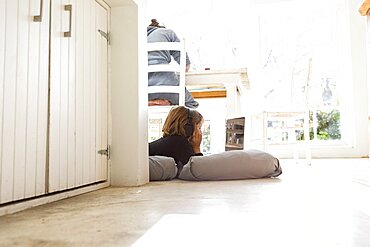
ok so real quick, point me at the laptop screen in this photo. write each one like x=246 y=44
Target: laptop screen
x=235 y=134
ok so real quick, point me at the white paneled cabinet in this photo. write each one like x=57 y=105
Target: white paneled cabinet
x=78 y=90
x=23 y=98
x=53 y=96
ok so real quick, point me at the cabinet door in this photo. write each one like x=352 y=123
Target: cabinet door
x=78 y=89
x=24 y=49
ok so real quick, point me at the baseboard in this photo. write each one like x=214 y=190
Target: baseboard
x=34 y=202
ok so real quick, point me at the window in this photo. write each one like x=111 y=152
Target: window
x=306 y=63
x=288 y=47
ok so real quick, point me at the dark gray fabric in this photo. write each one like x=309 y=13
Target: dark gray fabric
x=162 y=168
x=239 y=164
x=174 y=98
x=163 y=35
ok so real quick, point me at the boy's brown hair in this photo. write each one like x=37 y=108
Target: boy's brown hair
x=176 y=120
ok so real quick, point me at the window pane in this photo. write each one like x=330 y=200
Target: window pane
x=301 y=63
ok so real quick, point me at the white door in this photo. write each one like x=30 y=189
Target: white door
x=78 y=94
x=24 y=47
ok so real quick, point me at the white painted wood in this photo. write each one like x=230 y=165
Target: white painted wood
x=101 y=93
x=165 y=46
x=2 y=84
x=43 y=92
x=108 y=114
x=235 y=81
x=23 y=205
x=174 y=67
x=86 y=92
x=160 y=112
x=21 y=85
x=61 y=159
x=164 y=68
x=32 y=104
x=165 y=89
x=71 y=142
x=24 y=49
x=23 y=99
x=98 y=78
x=74 y=122
x=55 y=95
x=63 y=93
x=93 y=98
x=79 y=92
x=129 y=80
x=9 y=96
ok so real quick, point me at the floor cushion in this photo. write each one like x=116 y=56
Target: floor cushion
x=238 y=164
x=162 y=168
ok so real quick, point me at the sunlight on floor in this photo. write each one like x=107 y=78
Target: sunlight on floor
x=324 y=207
x=248 y=229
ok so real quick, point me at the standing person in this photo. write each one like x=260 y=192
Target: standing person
x=182 y=136
x=157 y=33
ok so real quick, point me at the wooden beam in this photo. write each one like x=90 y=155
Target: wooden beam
x=209 y=94
x=365 y=7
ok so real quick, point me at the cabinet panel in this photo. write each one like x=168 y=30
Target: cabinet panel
x=23 y=99
x=78 y=103
x=101 y=92
x=78 y=96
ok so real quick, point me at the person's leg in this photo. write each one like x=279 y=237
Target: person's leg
x=159 y=102
x=189 y=100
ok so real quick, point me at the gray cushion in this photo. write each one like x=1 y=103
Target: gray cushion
x=161 y=168
x=239 y=164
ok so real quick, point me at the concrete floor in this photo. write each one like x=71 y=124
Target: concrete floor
x=326 y=204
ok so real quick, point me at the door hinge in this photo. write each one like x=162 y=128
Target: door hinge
x=105 y=152
x=105 y=35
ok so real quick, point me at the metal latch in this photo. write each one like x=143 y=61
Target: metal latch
x=105 y=35
x=105 y=152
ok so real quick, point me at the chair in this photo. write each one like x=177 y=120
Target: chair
x=288 y=126
x=158 y=114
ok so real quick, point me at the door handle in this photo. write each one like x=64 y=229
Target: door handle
x=38 y=18
x=68 y=8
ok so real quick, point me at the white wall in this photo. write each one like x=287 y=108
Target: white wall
x=129 y=153
x=368 y=59
x=218 y=34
